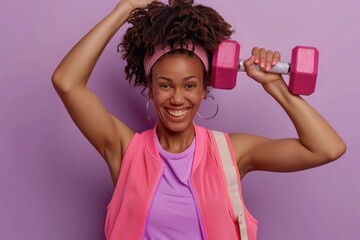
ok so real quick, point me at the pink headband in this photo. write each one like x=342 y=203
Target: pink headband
x=150 y=60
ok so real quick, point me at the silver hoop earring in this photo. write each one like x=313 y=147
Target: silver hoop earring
x=216 y=112
x=147 y=110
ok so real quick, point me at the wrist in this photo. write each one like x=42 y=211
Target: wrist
x=131 y=4
x=125 y=5
x=278 y=89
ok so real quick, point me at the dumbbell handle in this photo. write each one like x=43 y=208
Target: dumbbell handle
x=280 y=67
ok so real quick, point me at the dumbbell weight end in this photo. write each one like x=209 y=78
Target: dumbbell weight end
x=304 y=70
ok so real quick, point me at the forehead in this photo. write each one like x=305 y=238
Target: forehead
x=178 y=63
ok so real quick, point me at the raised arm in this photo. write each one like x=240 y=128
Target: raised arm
x=317 y=142
x=106 y=133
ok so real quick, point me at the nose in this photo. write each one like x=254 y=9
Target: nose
x=177 y=97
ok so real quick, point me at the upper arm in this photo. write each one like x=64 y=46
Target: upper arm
x=106 y=133
x=276 y=155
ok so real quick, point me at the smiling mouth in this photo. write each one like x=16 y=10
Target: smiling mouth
x=178 y=113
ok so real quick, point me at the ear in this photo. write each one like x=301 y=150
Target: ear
x=205 y=87
x=203 y=95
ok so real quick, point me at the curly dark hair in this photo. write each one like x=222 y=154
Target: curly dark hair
x=178 y=23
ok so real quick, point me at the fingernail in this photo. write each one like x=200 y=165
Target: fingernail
x=267 y=68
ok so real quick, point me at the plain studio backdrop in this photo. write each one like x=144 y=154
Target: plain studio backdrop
x=54 y=185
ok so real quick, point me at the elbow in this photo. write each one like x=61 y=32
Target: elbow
x=341 y=149
x=60 y=83
x=56 y=81
x=336 y=151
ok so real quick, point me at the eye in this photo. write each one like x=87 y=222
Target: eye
x=190 y=85
x=164 y=85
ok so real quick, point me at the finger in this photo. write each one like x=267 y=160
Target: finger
x=262 y=58
x=256 y=52
x=269 y=60
x=276 y=58
x=249 y=62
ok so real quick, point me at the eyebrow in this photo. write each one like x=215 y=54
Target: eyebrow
x=170 y=80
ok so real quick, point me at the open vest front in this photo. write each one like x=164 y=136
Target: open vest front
x=214 y=178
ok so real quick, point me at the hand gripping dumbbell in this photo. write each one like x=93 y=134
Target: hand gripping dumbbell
x=302 y=69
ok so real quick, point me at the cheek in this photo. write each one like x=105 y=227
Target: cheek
x=160 y=99
x=196 y=99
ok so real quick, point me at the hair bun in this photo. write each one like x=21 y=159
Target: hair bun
x=175 y=3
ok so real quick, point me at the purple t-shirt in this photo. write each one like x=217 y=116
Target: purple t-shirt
x=173 y=213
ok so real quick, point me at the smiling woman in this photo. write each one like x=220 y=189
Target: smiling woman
x=169 y=180
x=177 y=93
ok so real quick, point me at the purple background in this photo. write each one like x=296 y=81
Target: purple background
x=54 y=185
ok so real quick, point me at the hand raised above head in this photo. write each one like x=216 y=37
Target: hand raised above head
x=139 y=3
x=260 y=63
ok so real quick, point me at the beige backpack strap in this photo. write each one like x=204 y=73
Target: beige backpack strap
x=231 y=180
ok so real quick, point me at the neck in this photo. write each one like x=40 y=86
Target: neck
x=175 y=142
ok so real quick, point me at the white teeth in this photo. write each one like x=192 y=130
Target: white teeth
x=178 y=113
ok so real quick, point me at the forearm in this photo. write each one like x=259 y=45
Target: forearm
x=313 y=130
x=75 y=69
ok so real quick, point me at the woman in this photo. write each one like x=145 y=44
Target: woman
x=169 y=186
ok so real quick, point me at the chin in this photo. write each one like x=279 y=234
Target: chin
x=177 y=127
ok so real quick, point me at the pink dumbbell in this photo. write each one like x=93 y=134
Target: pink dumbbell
x=302 y=70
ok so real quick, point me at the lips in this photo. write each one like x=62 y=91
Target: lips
x=177 y=113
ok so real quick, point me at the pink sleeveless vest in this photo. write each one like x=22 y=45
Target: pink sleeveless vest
x=140 y=172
